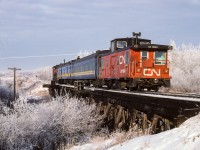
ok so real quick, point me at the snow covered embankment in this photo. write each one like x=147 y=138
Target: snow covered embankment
x=186 y=137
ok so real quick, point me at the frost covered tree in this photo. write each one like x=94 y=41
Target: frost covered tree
x=185 y=68
x=84 y=53
x=44 y=73
x=64 y=120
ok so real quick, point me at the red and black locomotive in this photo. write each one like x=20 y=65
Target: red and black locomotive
x=130 y=63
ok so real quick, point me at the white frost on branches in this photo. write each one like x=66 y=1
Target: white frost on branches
x=84 y=53
x=185 y=68
x=45 y=125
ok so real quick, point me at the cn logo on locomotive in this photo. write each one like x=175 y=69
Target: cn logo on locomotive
x=121 y=60
x=151 y=72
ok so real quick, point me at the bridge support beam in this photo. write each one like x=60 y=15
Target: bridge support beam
x=118 y=116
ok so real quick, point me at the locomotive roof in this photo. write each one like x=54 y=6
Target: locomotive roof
x=138 y=44
x=131 y=39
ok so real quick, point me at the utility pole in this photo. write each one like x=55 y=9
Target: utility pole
x=14 y=69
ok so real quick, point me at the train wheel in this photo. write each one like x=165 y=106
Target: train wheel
x=148 y=89
x=140 y=88
x=156 y=88
x=133 y=88
x=109 y=86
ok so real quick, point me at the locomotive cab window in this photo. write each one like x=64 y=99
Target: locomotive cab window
x=144 y=55
x=160 y=58
x=121 y=44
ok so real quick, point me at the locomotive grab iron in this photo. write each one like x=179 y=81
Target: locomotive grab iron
x=130 y=63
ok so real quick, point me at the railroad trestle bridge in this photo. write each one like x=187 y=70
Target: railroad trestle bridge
x=152 y=111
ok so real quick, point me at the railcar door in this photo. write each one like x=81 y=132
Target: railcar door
x=113 y=69
x=107 y=67
x=133 y=62
x=102 y=70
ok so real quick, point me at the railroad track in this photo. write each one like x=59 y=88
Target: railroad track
x=181 y=95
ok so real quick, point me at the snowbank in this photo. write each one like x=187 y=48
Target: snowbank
x=186 y=137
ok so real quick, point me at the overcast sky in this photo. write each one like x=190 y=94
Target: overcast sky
x=52 y=27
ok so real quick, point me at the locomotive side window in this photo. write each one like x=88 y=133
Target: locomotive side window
x=121 y=44
x=112 y=46
x=102 y=63
x=160 y=58
x=127 y=57
x=144 y=55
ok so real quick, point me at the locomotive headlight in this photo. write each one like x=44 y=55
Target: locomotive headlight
x=156 y=80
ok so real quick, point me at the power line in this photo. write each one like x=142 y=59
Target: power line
x=41 y=56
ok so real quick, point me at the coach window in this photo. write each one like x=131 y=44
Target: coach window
x=121 y=44
x=160 y=58
x=81 y=68
x=127 y=57
x=85 y=67
x=144 y=55
x=88 y=66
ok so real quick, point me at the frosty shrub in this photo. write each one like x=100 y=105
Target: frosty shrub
x=62 y=121
x=44 y=73
x=84 y=53
x=5 y=95
x=185 y=68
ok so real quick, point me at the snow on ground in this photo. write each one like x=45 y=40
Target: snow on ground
x=185 y=137
x=29 y=84
x=98 y=145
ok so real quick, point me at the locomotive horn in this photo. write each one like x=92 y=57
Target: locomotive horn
x=137 y=34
